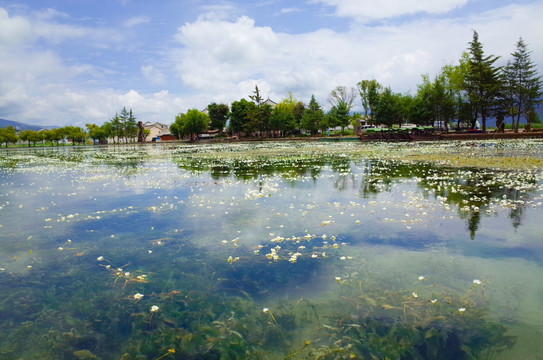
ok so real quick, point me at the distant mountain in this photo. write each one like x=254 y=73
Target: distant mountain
x=19 y=126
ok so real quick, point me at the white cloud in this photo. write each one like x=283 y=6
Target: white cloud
x=153 y=75
x=370 y=9
x=290 y=10
x=134 y=21
x=221 y=59
x=15 y=30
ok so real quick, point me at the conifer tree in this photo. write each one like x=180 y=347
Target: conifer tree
x=482 y=81
x=522 y=84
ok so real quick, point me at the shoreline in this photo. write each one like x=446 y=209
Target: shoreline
x=433 y=137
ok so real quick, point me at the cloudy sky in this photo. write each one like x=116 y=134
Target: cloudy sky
x=72 y=62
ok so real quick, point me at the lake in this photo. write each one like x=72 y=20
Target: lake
x=279 y=250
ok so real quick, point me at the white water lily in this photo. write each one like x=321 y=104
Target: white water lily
x=154 y=308
x=138 y=296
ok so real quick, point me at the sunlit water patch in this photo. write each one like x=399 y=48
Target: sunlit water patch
x=272 y=251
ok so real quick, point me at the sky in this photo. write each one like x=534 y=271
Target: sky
x=74 y=62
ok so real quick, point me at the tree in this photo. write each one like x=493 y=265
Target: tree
x=344 y=96
x=482 y=81
x=298 y=112
x=389 y=111
x=192 y=123
x=115 y=128
x=258 y=119
x=286 y=115
x=75 y=133
x=8 y=135
x=31 y=136
x=53 y=135
x=131 y=126
x=257 y=99
x=282 y=119
x=177 y=128
x=369 y=92
x=339 y=115
x=455 y=76
x=522 y=84
x=313 y=117
x=218 y=116
x=239 y=112
x=96 y=132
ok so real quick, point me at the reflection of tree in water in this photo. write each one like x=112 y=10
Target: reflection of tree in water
x=472 y=191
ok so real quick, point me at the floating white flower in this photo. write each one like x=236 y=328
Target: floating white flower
x=433 y=301
x=265 y=310
x=60 y=248
x=462 y=309
x=138 y=296
x=477 y=282
x=415 y=295
x=338 y=278
x=154 y=308
x=100 y=258
x=421 y=277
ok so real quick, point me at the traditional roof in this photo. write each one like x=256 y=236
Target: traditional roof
x=270 y=102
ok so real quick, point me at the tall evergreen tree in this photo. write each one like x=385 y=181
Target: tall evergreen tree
x=522 y=84
x=313 y=117
x=482 y=81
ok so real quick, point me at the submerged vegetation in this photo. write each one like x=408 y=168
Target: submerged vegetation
x=268 y=251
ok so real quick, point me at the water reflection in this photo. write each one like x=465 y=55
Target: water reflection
x=302 y=251
x=473 y=192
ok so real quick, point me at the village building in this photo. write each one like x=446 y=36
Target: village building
x=157 y=131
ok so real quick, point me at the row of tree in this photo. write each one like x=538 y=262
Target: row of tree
x=73 y=133
x=122 y=127
x=460 y=95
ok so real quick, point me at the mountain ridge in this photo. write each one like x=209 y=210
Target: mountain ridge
x=19 y=126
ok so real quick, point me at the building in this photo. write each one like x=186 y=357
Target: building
x=270 y=102
x=156 y=130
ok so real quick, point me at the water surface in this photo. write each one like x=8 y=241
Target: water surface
x=272 y=251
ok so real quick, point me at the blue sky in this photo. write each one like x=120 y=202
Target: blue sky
x=72 y=62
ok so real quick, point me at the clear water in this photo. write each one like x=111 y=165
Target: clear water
x=272 y=251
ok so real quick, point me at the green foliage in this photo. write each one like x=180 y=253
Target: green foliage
x=522 y=89
x=218 y=116
x=482 y=81
x=74 y=133
x=239 y=115
x=31 y=136
x=286 y=115
x=8 y=135
x=313 y=117
x=339 y=115
x=192 y=123
x=96 y=132
x=122 y=126
x=389 y=109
